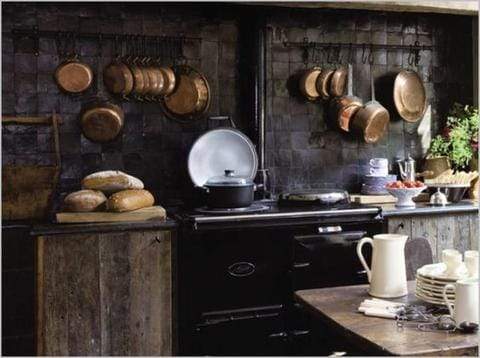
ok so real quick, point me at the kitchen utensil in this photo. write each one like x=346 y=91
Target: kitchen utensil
x=453 y=192
x=342 y=109
x=307 y=83
x=407 y=170
x=219 y=149
x=28 y=190
x=438 y=199
x=191 y=97
x=466 y=300
x=471 y=261
x=403 y=93
x=101 y=121
x=371 y=120
x=338 y=82
x=323 y=83
x=315 y=197
x=72 y=75
x=387 y=276
x=229 y=191
x=405 y=196
x=436 y=166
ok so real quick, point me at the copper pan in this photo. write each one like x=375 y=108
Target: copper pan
x=371 y=120
x=118 y=78
x=338 y=82
x=307 y=83
x=342 y=109
x=101 y=121
x=403 y=93
x=323 y=83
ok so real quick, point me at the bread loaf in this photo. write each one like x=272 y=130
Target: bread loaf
x=111 y=181
x=85 y=201
x=128 y=200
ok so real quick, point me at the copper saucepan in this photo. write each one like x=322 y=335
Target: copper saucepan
x=371 y=120
x=323 y=83
x=101 y=121
x=307 y=83
x=338 y=82
x=342 y=109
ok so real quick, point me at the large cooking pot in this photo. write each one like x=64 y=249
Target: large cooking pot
x=229 y=191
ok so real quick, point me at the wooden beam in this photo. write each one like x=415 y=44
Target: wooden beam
x=29 y=120
x=454 y=7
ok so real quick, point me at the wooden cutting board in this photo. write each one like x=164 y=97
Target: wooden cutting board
x=151 y=213
x=383 y=199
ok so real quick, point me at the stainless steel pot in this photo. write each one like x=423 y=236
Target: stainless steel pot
x=229 y=191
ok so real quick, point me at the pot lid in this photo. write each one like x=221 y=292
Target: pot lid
x=220 y=149
x=229 y=179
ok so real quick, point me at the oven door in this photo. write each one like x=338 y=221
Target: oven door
x=328 y=259
x=244 y=332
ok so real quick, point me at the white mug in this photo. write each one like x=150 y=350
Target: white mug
x=466 y=300
x=452 y=260
x=471 y=261
x=378 y=162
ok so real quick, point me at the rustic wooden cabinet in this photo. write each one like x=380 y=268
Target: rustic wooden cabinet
x=443 y=231
x=105 y=293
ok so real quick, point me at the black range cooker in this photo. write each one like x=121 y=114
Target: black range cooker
x=238 y=270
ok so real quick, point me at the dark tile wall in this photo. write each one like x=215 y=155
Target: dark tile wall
x=152 y=147
x=303 y=152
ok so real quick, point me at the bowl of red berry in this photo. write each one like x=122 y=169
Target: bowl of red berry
x=405 y=191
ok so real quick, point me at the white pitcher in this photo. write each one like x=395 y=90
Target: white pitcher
x=466 y=300
x=388 y=276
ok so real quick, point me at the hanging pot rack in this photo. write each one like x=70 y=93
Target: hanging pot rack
x=414 y=48
x=34 y=33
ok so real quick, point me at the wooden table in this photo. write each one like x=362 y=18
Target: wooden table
x=337 y=308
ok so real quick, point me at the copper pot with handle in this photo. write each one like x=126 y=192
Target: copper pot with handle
x=371 y=120
x=101 y=120
x=342 y=109
x=117 y=77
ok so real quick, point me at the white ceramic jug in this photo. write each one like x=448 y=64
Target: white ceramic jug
x=388 y=276
x=466 y=300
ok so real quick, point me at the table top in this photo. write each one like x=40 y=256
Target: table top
x=337 y=307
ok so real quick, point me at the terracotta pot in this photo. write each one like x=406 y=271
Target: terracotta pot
x=435 y=166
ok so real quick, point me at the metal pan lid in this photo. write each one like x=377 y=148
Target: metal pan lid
x=219 y=149
x=229 y=179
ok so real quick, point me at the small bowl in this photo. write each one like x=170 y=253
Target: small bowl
x=454 y=192
x=405 y=195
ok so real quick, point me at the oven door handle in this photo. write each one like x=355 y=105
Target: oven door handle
x=301 y=265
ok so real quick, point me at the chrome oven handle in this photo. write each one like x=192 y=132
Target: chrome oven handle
x=329 y=229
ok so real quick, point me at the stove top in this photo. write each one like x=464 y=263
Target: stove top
x=276 y=213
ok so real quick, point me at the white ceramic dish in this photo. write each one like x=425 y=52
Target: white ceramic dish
x=437 y=271
x=405 y=196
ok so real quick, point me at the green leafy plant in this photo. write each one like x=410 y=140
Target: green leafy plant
x=459 y=140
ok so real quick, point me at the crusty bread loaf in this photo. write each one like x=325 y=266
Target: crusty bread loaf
x=128 y=200
x=111 y=181
x=85 y=201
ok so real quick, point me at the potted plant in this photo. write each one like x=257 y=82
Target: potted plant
x=459 y=140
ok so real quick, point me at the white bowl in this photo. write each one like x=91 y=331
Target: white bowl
x=405 y=195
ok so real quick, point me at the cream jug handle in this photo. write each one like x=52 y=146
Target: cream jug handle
x=360 y=255
x=445 y=298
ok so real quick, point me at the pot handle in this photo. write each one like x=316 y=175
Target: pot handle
x=221 y=118
x=360 y=255
x=445 y=298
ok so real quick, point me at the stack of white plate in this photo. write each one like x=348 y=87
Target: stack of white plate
x=430 y=281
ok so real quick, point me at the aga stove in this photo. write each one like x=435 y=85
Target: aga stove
x=238 y=271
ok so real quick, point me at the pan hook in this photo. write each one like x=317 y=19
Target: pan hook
x=411 y=56
x=364 y=58
x=417 y=53
x=370 y=55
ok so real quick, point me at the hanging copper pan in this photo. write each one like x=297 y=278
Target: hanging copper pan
x=118 y=78
x=191 y=97
x=403 y=93
x=307 y=83
x=323 y=83
x=101 y=121
x=168 y=80
x=338 y=82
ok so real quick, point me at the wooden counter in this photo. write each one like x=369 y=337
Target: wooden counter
x=104 y=292
x=337 y=308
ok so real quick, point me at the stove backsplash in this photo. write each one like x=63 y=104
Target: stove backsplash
x=301 y=151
